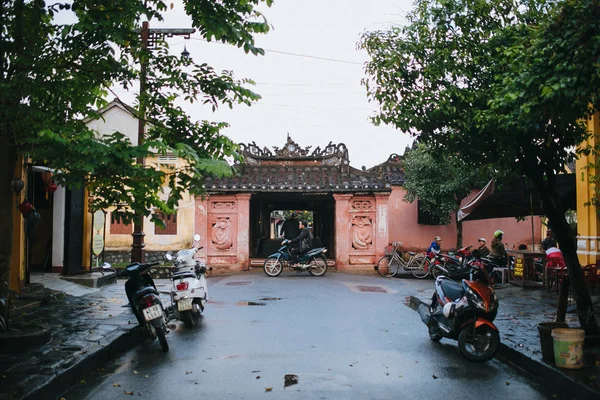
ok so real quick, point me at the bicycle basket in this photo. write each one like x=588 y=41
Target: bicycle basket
x=389 y=250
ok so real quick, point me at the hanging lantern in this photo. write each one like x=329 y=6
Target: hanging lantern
x=47 y=177
x=51 y=188
x=17 y=185
x=25 y=208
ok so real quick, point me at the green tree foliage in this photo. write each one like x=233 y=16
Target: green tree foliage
x=514 y=79
x=55 y=75
x=440 y=183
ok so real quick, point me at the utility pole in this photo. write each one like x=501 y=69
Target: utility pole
x=149 y=38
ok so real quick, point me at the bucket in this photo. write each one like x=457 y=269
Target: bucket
x=568 y=348
x=546 y=342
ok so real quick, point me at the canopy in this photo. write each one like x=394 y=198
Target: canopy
x=516 y=199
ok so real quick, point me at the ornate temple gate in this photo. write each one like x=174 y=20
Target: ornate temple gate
x=349 y=207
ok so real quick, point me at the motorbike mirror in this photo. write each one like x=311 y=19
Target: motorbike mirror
x=168 y=256
x=196 y=237
x=106 y=266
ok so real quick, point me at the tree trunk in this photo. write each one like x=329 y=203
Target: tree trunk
x=7 y=207
x=567 y=241
x=459 y=232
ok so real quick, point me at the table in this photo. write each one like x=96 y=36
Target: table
x=523 y=273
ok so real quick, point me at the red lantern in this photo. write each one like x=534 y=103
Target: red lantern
x=51 y=188
x=25 y=207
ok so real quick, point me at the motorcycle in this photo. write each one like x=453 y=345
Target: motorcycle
x=144 y=300
x=189 y=292
x=465 y=312
x=313 y=261
x=454 y=267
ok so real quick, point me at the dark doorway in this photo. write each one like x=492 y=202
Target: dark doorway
x=264 y=238
x=39 y=229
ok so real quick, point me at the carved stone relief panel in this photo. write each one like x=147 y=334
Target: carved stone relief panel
x=362 y=232
x=223 y=206
x=223 y=233
x=361 y=205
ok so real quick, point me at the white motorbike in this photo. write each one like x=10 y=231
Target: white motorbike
x=189 y=292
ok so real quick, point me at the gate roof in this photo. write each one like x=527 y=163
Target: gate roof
x=292 y=168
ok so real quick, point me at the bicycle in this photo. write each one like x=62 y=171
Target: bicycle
x=389 y=265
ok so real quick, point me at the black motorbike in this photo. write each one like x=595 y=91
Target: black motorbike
x=313 y=261
x=144 y=300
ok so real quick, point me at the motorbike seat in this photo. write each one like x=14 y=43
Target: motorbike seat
x=145 y=291
x=451 y=289
x=183 y=274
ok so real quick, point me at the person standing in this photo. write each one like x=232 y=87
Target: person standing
x=290 y=228
x=483 y=249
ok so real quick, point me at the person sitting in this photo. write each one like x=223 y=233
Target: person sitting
x=483 y=249
x=549 y=241
x=498 y=253
x=434 y=248
x=303 y=241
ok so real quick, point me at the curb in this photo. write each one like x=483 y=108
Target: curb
x=65 y=379
x=545 y=374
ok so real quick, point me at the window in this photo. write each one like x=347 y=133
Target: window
x=170 y=221
x=118 y=227
x=427 y=218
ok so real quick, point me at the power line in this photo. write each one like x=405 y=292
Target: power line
x=291 y=54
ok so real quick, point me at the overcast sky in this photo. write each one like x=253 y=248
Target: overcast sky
x=314 y=100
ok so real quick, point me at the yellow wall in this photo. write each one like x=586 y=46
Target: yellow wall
x=587 y=219
x=17 y=264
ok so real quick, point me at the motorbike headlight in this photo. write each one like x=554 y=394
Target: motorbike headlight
x=475 y=299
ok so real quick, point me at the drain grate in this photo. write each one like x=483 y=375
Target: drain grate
x=239 y=283
x=371 y=289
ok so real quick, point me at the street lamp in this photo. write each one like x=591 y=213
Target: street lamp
x=149 y=39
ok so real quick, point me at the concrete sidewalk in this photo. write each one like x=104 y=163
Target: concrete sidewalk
x=520 y=311
x=89 y=326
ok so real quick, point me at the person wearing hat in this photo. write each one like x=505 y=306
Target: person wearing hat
x=435 y=246
x=498 y=253
x=483 y=249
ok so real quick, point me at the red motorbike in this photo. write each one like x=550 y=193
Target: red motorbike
x=465 y=312
x=454 y=267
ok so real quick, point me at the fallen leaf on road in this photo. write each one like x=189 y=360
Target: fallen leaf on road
x=257 y=376
x=188 y=372
x=255 y=371
x=129 y=393
x=507 y=383
x=134 y=371
x=268 y=389
x=116 y=385
x=82 y=381
x=434 y=377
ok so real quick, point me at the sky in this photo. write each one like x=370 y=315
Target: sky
x=315 y=101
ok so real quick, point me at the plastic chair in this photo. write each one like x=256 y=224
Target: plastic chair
x=555 y=272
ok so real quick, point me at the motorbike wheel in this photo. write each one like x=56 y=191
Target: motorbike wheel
x=272 y=267
x=420 y=267
x=161 y=334
x=318 y=266
x=480 y=345
x=188 y=318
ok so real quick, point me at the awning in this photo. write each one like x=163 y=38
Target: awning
x=516 y=199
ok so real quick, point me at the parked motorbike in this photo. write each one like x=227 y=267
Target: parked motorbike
x=464 y=312
x=454 y=267
x=189 y=292
x=144 y=300
x=313 y=261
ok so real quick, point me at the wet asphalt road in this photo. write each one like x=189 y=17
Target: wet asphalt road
x=341 y=335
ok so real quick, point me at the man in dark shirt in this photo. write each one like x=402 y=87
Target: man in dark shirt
x=549 y=241
x=290 y=229
x=302 y=242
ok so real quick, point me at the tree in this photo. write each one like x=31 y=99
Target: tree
x=55 y=75
x=515 y=80
x=440 y=183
